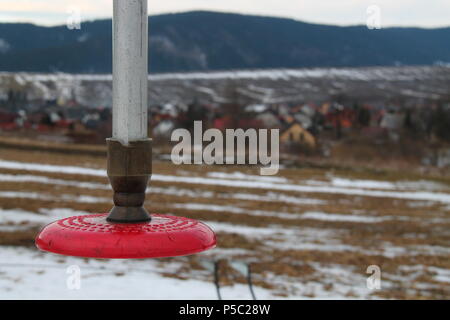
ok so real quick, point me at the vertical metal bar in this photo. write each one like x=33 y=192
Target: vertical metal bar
x=216 y=279
x=249 y=281
x=130 y=73
x=129 y=150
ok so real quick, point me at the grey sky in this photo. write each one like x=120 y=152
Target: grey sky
x=423 y=13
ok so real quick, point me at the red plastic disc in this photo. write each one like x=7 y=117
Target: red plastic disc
x=93 y=237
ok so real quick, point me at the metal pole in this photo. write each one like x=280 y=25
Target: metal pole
x=129 y=150
x=216 y=279
x=130 y=73
x=249 y=281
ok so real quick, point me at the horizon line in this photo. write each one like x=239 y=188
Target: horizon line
x=100 y=18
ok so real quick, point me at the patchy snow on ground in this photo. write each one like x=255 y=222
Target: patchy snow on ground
x=18 y=217
x=269 y=197
x=277 y=220
x=383 y=185
x=243 y=182
x=342 y=217
x=46 y=180
x=243 y=176
x=62 y=197
x=28 y=274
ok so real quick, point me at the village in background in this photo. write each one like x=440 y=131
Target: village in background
x=396 y=117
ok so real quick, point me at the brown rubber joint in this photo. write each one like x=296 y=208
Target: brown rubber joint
x=129 y=171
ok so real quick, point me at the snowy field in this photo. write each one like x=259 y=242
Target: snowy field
x=255 y=86
x=306 y=233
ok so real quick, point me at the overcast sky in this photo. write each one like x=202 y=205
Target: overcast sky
x=423 y=13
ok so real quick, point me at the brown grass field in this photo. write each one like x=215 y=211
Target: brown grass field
x=312 y=243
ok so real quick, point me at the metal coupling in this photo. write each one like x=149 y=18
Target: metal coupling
x=129 y=171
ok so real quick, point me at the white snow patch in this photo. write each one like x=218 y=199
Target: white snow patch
x=84 y=37
x=412 y=195
x=383 y=185
x=343 y=217
x=63 y=197
x=441 y=275
x=292 y=216
x=231 y=209
x=46 y=180
x=278 y=197
x=242 y=176
x=18 y=216
x=268 y=197
x=4 y=46
x=29 y=274
x=27 y=166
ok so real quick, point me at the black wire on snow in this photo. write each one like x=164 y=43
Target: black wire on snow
x=216 y=279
